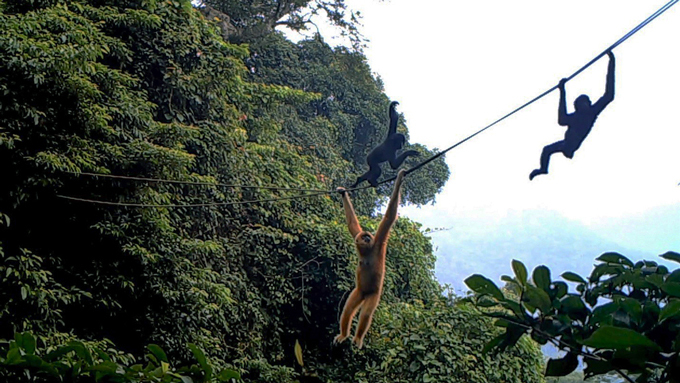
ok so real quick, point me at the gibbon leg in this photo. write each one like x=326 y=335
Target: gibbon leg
x=548 y=151
x=396 y=161
x=365 y=318
x=351 y=306
x=371 y=175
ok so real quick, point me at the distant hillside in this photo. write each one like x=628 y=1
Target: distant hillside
x=656 y=230
x=534 y=237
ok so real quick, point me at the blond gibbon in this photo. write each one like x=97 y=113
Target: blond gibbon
x=371 y=269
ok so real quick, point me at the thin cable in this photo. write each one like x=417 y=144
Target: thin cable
x=160 y=180
x=207 y=204
x=611 y=47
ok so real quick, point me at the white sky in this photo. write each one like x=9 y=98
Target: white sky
x=456 y=66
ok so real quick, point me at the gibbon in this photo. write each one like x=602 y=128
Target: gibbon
x=579 y=123
x=371 y=269
x=386 y=151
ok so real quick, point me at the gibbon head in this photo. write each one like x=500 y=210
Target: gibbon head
x=582 y=102
x=364 y=240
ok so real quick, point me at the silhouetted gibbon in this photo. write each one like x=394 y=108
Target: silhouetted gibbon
x=386 y=152
x=371 y=269
x=578 y=123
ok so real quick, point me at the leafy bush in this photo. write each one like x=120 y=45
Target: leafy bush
x=624 y=318
x=438 y=342
x=23 y=361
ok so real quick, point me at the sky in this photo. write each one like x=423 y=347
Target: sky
x=456 y=66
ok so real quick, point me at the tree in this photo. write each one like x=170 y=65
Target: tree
x=250 y=20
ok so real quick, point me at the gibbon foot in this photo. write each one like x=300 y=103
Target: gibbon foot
x=339 y=339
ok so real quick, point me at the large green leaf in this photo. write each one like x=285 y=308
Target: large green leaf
x=482 y=285
x=537 y=298
x=613 y=257
x=541 y=277
x=610 y=337
x=671 y=288
x=670 y=310
x=573 y=277
x=574 y=307
x=671 y=256
x=227 y=375
x=520 y=272
x=563 y=366
x=202 y=361
x=158 y=352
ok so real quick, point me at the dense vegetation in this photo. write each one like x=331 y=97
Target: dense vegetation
x=624 y=318
x=151 y=88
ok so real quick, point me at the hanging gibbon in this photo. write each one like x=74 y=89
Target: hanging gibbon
x=386 y=151
x=371 y=269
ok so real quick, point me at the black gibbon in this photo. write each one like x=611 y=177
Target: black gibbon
x=578 y=123
x=386 y=151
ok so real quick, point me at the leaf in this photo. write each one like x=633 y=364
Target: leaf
x=610 y=337
x=105 y=367
x=574 y=307
x=226 y=375
x=671 y=256
x=33 y=361
x=202 y=361
x=537 y=298
x=573 y=277
x=28 y=343
x=81 y=351
x=671 y=288
x=561 y=289
x=63 y=350
x=520 y=272
x=563 y=366
x=616 y=258
x=486 y=301
x=482 y=285
x=298 y=353
x=158 y=352
x=670 y=310
x=603 y=313
x=541 y=277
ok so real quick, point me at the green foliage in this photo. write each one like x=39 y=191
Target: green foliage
x=350 y=118
x=248 y=20
x=623 y=318
x=77 y=361
x=439 y=342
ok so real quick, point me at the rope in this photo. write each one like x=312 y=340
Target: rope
x=316 y=192
x=159 y=180
x=207 y=204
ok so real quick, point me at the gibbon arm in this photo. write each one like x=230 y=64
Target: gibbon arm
x=562 y=116
x=391 y=214
x=352 y=221
x=609 y=90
